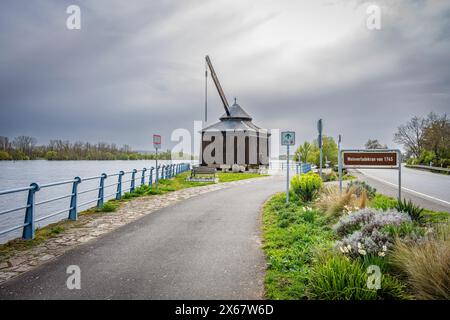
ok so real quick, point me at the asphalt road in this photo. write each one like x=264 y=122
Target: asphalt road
x=429 y=190
x=206 y=247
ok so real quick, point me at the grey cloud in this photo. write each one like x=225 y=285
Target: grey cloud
x=137 y=67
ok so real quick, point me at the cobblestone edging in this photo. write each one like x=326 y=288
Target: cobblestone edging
x=89 y=227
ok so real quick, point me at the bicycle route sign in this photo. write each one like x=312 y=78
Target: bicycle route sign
x=287 y=138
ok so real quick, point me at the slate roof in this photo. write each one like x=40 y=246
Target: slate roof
x=236 y=112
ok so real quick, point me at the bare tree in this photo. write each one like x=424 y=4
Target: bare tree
x=410 y=135
x=4 y=144
x=24 y=144
x=375 y=144
x=436 y=136
x=126 y=148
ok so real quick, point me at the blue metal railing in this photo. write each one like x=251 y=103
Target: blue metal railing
x=164 y=172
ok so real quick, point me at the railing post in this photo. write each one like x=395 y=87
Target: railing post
x=157 y=176
x=162 y=171
x=73 y=212
x=28 y=229
x=143 y=176
x=150 y=182
x=119 y=186
x=101 y=190
x=133 y=178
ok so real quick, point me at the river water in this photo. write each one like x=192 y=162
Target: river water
x=17 y=174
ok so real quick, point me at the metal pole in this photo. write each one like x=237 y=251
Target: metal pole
x=287 y=175
x=119 y=186
x=28 y=229
x=399 y=176
x=133 y=182
x=320 y=160
x=143 y=176
x=319 y=129
x=101 y=191
x=73 y=213
x=157 y=169
x=340 y=164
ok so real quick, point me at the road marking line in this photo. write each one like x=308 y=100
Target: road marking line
x=407 y=189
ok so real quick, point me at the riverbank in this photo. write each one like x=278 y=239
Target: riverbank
x=19 y=255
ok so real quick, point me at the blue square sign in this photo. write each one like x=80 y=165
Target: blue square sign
x=287 y=138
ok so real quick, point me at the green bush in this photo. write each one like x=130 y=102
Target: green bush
x=127 y=195
x=415 y=212
x=405 y=230
x=339 y=278
x=5 y=155
x=426 y=157
x=307 y=186
x=383 y=202
x=360 y=187
x=109 y=207
x=51 y=155
x=332 y=176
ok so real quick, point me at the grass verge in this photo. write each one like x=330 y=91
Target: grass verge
x=292 y=236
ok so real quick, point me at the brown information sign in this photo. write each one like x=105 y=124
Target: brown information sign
x=370 y=159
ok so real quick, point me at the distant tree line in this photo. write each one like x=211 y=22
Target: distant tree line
x=26 y=148
x=426 y=140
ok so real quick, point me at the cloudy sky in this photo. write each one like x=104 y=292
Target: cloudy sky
x=137 y=67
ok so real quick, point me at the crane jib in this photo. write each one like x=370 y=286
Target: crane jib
x=218 y=86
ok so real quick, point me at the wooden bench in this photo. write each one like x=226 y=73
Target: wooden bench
x=202 y=170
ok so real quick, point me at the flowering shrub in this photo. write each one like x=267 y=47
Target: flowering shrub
x=364 y=231
x=306 y=186
x=361 y=187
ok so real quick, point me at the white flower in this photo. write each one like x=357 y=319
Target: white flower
x=349 y=247
x=381 y=254
x=362 y=252
x=342 y=249
x=384 y=248
x=359 y=245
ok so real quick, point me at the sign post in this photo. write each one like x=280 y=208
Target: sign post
x=374 y=159
x=319 y=140
x=340 y=163
x=287 y=139
x=156 y=145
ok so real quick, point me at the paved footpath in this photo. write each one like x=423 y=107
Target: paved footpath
x=204 y=247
